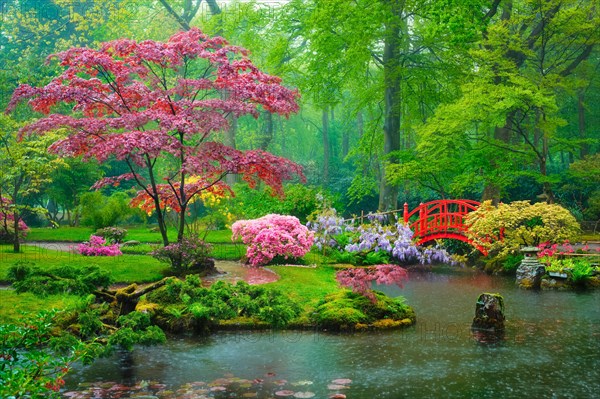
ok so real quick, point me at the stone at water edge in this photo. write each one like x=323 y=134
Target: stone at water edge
x=489 y=313
x=530 y=271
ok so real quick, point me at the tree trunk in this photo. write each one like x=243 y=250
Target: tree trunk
x=16 y=241
x=584 y=150
x=325 y=131
x=267 y=131
x=360 y=124
x=388 y=196
x=125 y=300
x=492 y=191
x=160 y=216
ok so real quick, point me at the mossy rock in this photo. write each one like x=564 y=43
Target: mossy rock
x=242 y=323
x=147 y=307
x=593 y=282
x=346 y=310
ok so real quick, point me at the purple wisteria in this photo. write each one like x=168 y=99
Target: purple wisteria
x=394 y=240
x=326 y=226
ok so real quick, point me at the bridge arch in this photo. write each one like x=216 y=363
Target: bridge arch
x=440 y=219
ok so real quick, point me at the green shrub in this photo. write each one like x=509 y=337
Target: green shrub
x=582 y=271
x=99 y=211
x=201 y=307
x=511 y=263
x=26 y=277
x=345 y=309
x=520 y=223
x=191 y=255
x=300 y=201
x=31 y=366
x=112 y=234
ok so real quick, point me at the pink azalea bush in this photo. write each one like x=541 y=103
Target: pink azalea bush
x=97 y=247
x=273 y=235
x=360 y=279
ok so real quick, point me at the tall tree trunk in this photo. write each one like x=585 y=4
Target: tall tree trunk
x=360 y=124
x=388 y=196
x=16 y=240
x=230 y=134
x=584 y=150
x=325 y=131
x=267 y=131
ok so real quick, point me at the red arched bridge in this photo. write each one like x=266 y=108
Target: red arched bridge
x=441 y=219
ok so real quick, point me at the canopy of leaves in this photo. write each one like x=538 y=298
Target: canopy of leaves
x=503 y=229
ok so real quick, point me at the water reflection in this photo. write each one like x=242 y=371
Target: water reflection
x=550 y=348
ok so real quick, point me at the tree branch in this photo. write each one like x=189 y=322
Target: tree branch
x=182 y=22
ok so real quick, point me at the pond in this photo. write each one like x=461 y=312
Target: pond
x=551 y=349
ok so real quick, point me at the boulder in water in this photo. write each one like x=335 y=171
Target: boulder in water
x=489 y=312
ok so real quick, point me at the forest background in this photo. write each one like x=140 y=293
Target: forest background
x=402 y=100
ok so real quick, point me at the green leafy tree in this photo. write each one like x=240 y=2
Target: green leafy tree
x=507 y=117
x=68 y=183
x=25 y=167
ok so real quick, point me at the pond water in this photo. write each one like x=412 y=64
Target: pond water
x=551 y=349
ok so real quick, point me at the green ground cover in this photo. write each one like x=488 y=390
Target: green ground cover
x=124 y=269
x=13 y=306
x=306 y=284
x=145 y=234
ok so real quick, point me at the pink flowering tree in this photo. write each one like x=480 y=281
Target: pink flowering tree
x=273 y=235
x=97 y=246
x=161 y=108
x=360 y=279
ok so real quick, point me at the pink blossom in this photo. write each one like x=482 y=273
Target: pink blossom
x=97 y=247
x=273 y=235
x=359 y=279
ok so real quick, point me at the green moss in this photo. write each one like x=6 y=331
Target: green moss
x=347 y=310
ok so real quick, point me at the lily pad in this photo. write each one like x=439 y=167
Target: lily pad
x=285 y=392
x=301 y=383
x=342 y=381
x=304 y=395
x=336 y=387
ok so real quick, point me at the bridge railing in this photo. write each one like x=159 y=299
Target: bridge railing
x=439 y=216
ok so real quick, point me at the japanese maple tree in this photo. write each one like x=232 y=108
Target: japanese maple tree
x=360 y=279
x=161 y=107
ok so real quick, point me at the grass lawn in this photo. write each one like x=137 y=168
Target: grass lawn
x=144 y=234
x=306 y=284
x=124 y=269
x=13 y=305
